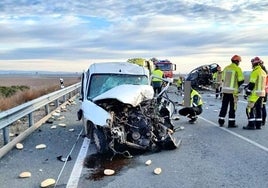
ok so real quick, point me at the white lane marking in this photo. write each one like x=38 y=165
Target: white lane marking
x=237 y=135
x=78 y=166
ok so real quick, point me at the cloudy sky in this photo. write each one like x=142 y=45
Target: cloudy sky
x=68 y=35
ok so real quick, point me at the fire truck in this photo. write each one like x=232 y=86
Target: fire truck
x=166 y=66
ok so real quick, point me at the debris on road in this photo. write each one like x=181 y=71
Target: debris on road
x=157 y=171
x=40 y=146
x=19 y=146
x=109 y=172
x=48 y=182
x=148 y=162
x=63 y=159
x=25 y=175
x=62 y=124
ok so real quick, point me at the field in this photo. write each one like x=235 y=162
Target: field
x=37 y=86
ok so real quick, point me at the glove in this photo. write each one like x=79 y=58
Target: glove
x=248 y=92
x=245 y=97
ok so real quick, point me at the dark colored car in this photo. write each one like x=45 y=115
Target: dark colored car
x=202 y=75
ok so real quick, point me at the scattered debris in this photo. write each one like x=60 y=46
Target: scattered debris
x=40 y=146
x=57 y=111
x=25 y=175
x=60 y=118
x=48 y=182
x=71 y=130
x=19 y=146
x=56 y=114
x=11 y=134
x=157 y=171
x=52 y=104
x=109 y=172
x=62 y=124
x=53 y=127
x=178 y=128
x=50 y=120
x=148 y=162
x=63 y=159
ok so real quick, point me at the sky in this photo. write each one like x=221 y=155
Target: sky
x=69 y=35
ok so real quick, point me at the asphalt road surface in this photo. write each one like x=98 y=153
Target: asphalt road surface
x=209 y=156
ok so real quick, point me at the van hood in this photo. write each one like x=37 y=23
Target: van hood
x=128 y=94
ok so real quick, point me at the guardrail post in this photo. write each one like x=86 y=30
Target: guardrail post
x=64 y=98
x=30 y=119
x=6 y=135
x=57 y=103
x=47 y=110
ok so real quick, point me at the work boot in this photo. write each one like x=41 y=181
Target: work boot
x=250 y=126
x=221 y=122
x=231 y=124
x=192 y=120
x=258 y=124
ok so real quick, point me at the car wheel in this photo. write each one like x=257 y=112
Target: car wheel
x=100 y=140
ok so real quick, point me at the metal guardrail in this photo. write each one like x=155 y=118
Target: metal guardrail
x=10 y=116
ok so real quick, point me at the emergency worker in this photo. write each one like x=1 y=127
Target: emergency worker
x=156 y=81
x=179 y=84
x=217 y=78
x=195 y=108
x=255 y=91
x=61 y=83
x=264 y=112
x=232 y=78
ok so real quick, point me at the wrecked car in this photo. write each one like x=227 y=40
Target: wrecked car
x=120 y=112
x=202 y=75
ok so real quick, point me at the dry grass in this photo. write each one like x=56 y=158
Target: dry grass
x=38 y=86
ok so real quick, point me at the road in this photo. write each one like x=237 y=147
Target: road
x=209 y=156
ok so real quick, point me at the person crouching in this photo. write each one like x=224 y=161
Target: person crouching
x=195 y=107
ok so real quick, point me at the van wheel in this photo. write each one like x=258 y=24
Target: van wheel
x=100 y=141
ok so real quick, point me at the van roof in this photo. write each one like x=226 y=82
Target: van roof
x=118 y=68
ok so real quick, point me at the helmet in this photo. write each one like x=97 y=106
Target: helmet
x=236 y=58
x=256 y=60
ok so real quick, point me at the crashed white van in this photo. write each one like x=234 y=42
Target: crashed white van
x=119 y=110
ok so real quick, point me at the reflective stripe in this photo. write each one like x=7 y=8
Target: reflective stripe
x=258 y=119
x=251 y=119
x=221 y=118
x=231 y=119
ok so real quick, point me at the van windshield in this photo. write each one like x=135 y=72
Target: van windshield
x=100 y=83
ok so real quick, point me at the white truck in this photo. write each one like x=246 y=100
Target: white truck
x=119 y=110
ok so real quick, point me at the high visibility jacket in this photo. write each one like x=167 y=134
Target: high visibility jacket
x=158 y=73
x=232 y=74
x=217 y=77
x=179 y=82
x=199 y=101
x=258 y=77
x=266 y=86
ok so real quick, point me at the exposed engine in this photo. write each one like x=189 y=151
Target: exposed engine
x=142 y=127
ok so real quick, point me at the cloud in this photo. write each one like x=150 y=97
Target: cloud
x=85 y=30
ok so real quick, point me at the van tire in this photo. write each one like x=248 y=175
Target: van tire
x=100 y=140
